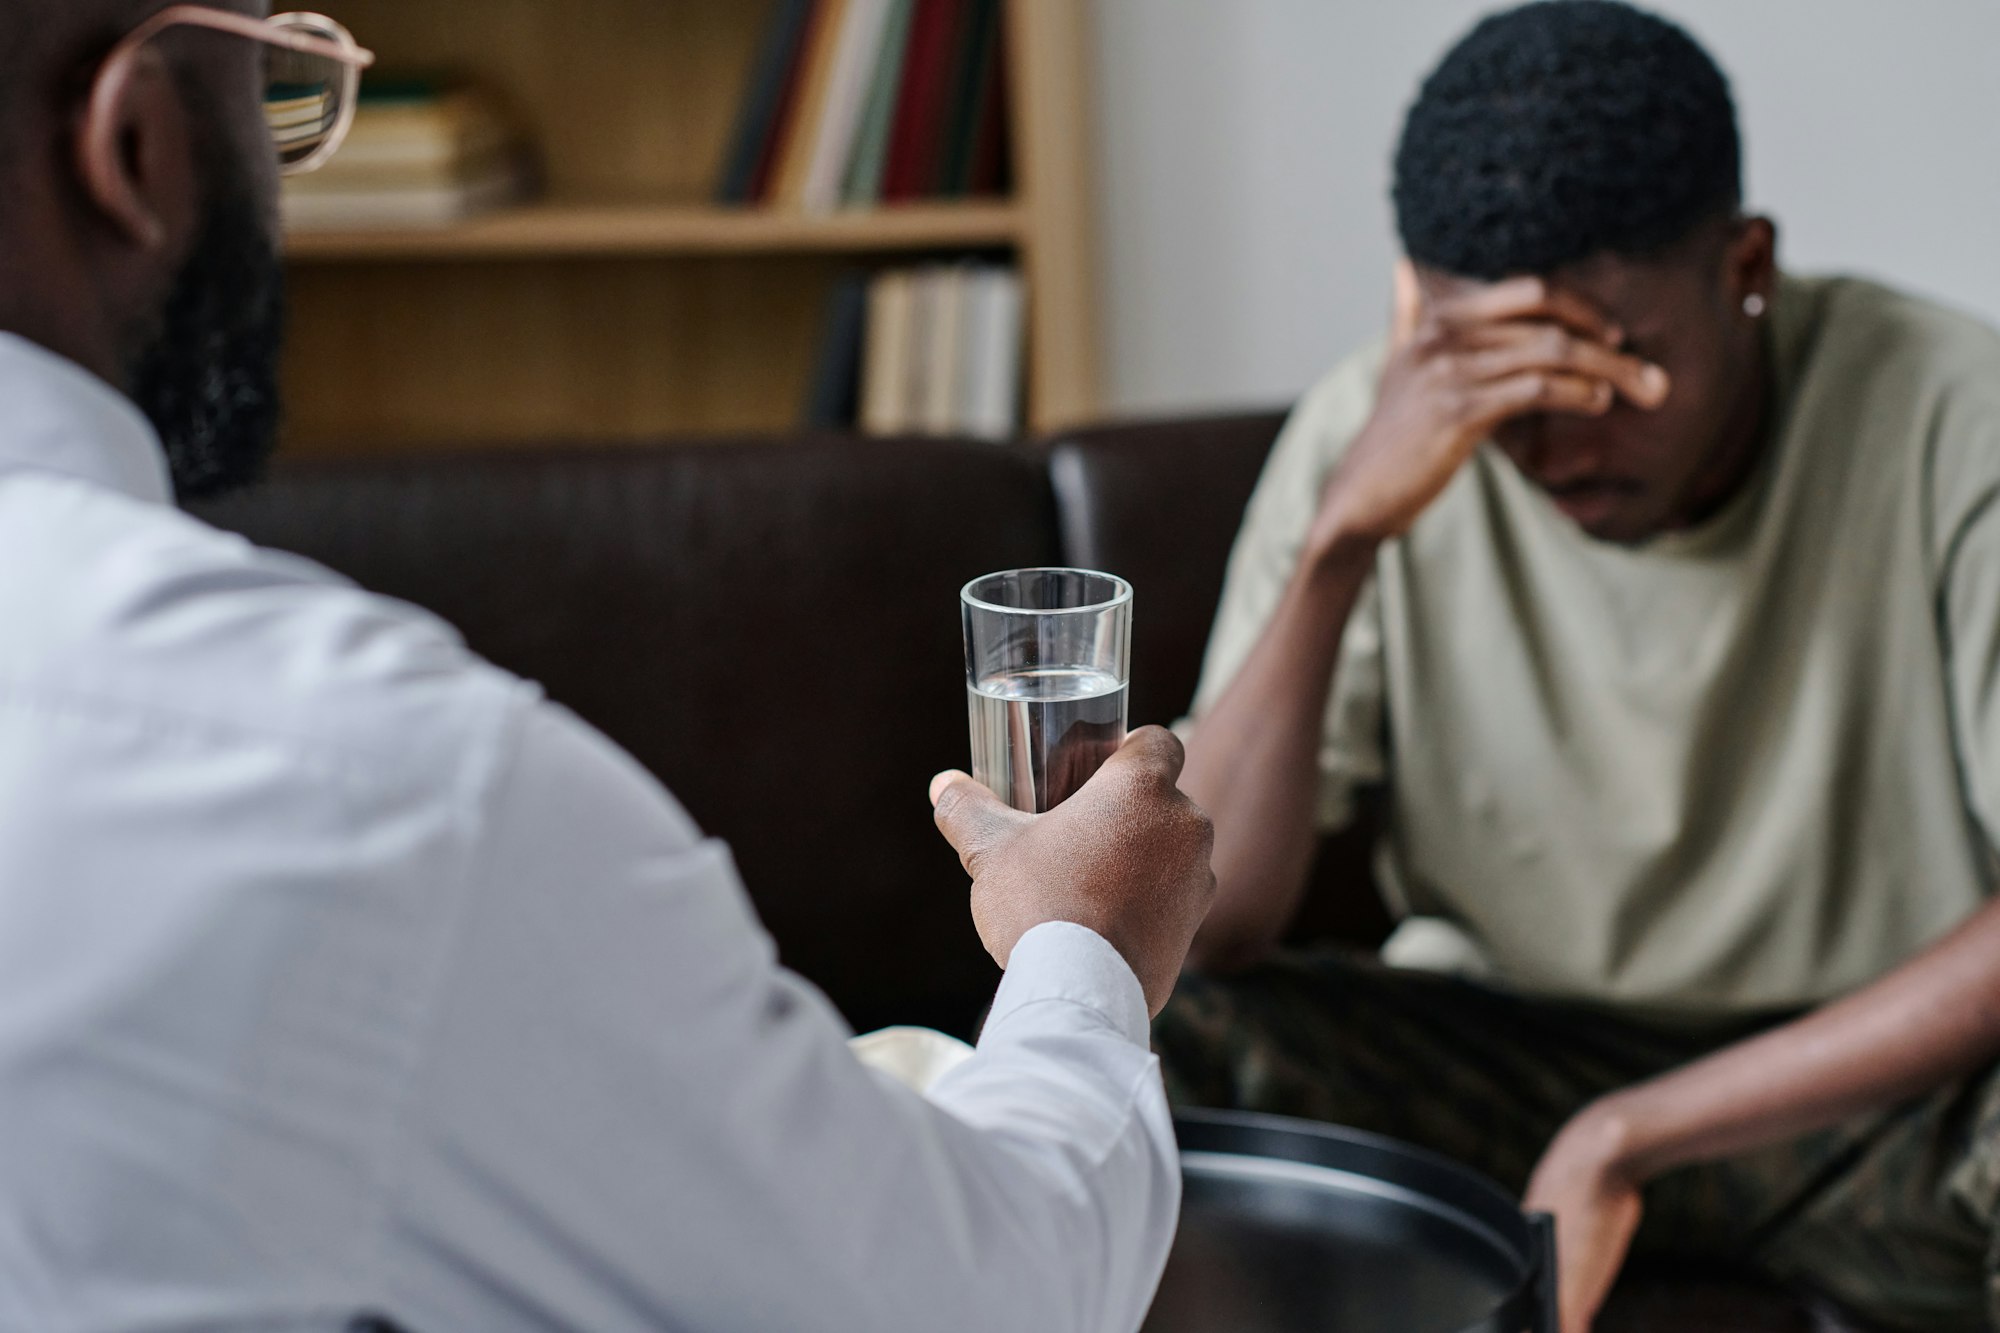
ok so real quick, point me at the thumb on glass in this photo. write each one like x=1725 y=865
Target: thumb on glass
x=973 y=820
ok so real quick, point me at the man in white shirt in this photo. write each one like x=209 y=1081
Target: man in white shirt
x=342 y=978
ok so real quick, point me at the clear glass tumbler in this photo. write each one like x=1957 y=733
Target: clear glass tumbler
x=1047 y=659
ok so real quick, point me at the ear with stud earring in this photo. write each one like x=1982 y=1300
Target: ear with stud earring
x=1754 y=305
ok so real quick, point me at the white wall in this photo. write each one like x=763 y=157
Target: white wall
x=1245 y=162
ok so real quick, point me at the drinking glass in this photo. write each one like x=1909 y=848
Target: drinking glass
x=1047 y=660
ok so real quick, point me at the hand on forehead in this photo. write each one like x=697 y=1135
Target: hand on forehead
x=1466 y=302
x=1611 y=292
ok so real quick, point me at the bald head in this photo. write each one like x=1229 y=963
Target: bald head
x=49 y=53
x=53 y=37
x=46 y=47
x=34 y=30
x=41 y=45
x=138 y=233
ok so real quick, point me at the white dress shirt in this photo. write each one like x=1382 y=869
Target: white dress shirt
x=340 y=974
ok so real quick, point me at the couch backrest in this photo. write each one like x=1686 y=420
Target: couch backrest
x=1158 y=504
x=772 y=629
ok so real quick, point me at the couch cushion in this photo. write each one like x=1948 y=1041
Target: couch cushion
x=771 y=628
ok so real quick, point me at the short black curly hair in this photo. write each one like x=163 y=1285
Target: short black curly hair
x=1559 y=130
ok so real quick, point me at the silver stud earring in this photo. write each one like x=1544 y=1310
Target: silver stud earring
x=1753 y=305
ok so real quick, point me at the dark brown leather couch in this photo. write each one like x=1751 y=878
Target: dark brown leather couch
x=772 y=628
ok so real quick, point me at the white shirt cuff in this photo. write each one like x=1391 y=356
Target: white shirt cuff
x=1061 y=961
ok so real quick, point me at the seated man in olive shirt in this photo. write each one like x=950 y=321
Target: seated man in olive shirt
x=1660 y=592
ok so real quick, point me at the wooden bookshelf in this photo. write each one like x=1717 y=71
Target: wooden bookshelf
x=563 y=227
x=625 y=305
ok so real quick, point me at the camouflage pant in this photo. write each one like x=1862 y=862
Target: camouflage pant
x=1892 y=1217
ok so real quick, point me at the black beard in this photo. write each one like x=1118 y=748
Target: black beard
x=208 y=375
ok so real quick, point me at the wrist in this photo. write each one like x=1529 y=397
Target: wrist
x=1334 y=566
x=1618 y=1134
x=1334 y=551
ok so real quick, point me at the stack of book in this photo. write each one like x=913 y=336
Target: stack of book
x=420 y=154
x=854 y=103
x=923 y=351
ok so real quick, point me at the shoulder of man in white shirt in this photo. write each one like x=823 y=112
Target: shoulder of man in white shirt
x=115 y=602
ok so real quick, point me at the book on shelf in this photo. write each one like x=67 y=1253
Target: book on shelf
x=833 y=401
x=914 y=139
x=419 y=154
x=996 y=324
x=942 y=355
x=974 y=64
x=763 y=104
x=938 y=350
x=802 y=121
x=853 y=103
x=992 y=147
x=921 y=357
x=855 y=56
x=887 y=343
x=770 y=153
x=862 y=184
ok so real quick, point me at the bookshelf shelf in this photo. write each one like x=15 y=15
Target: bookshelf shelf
x=582 y=228
x=624 y=306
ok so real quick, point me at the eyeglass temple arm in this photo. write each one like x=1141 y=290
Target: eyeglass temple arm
x=257 y=30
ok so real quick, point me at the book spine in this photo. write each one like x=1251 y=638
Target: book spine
x=944 y=368
x=846 y=96
x=863 y=185
x=967 y=90
x=832 y=403
x=759 y=117
x=993 y=371
x=886 y=358
x=922 y=348
x=788 y=189
x=913 y=143
x=790 y=107
x=991 y=173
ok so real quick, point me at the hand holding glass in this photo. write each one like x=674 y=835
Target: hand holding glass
x=1047 y=661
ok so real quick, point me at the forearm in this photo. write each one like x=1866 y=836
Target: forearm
x=1253 y=762
x=1932 y=1020
x=1068 y=1180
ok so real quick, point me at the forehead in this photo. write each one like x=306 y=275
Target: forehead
x=1631 y=291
